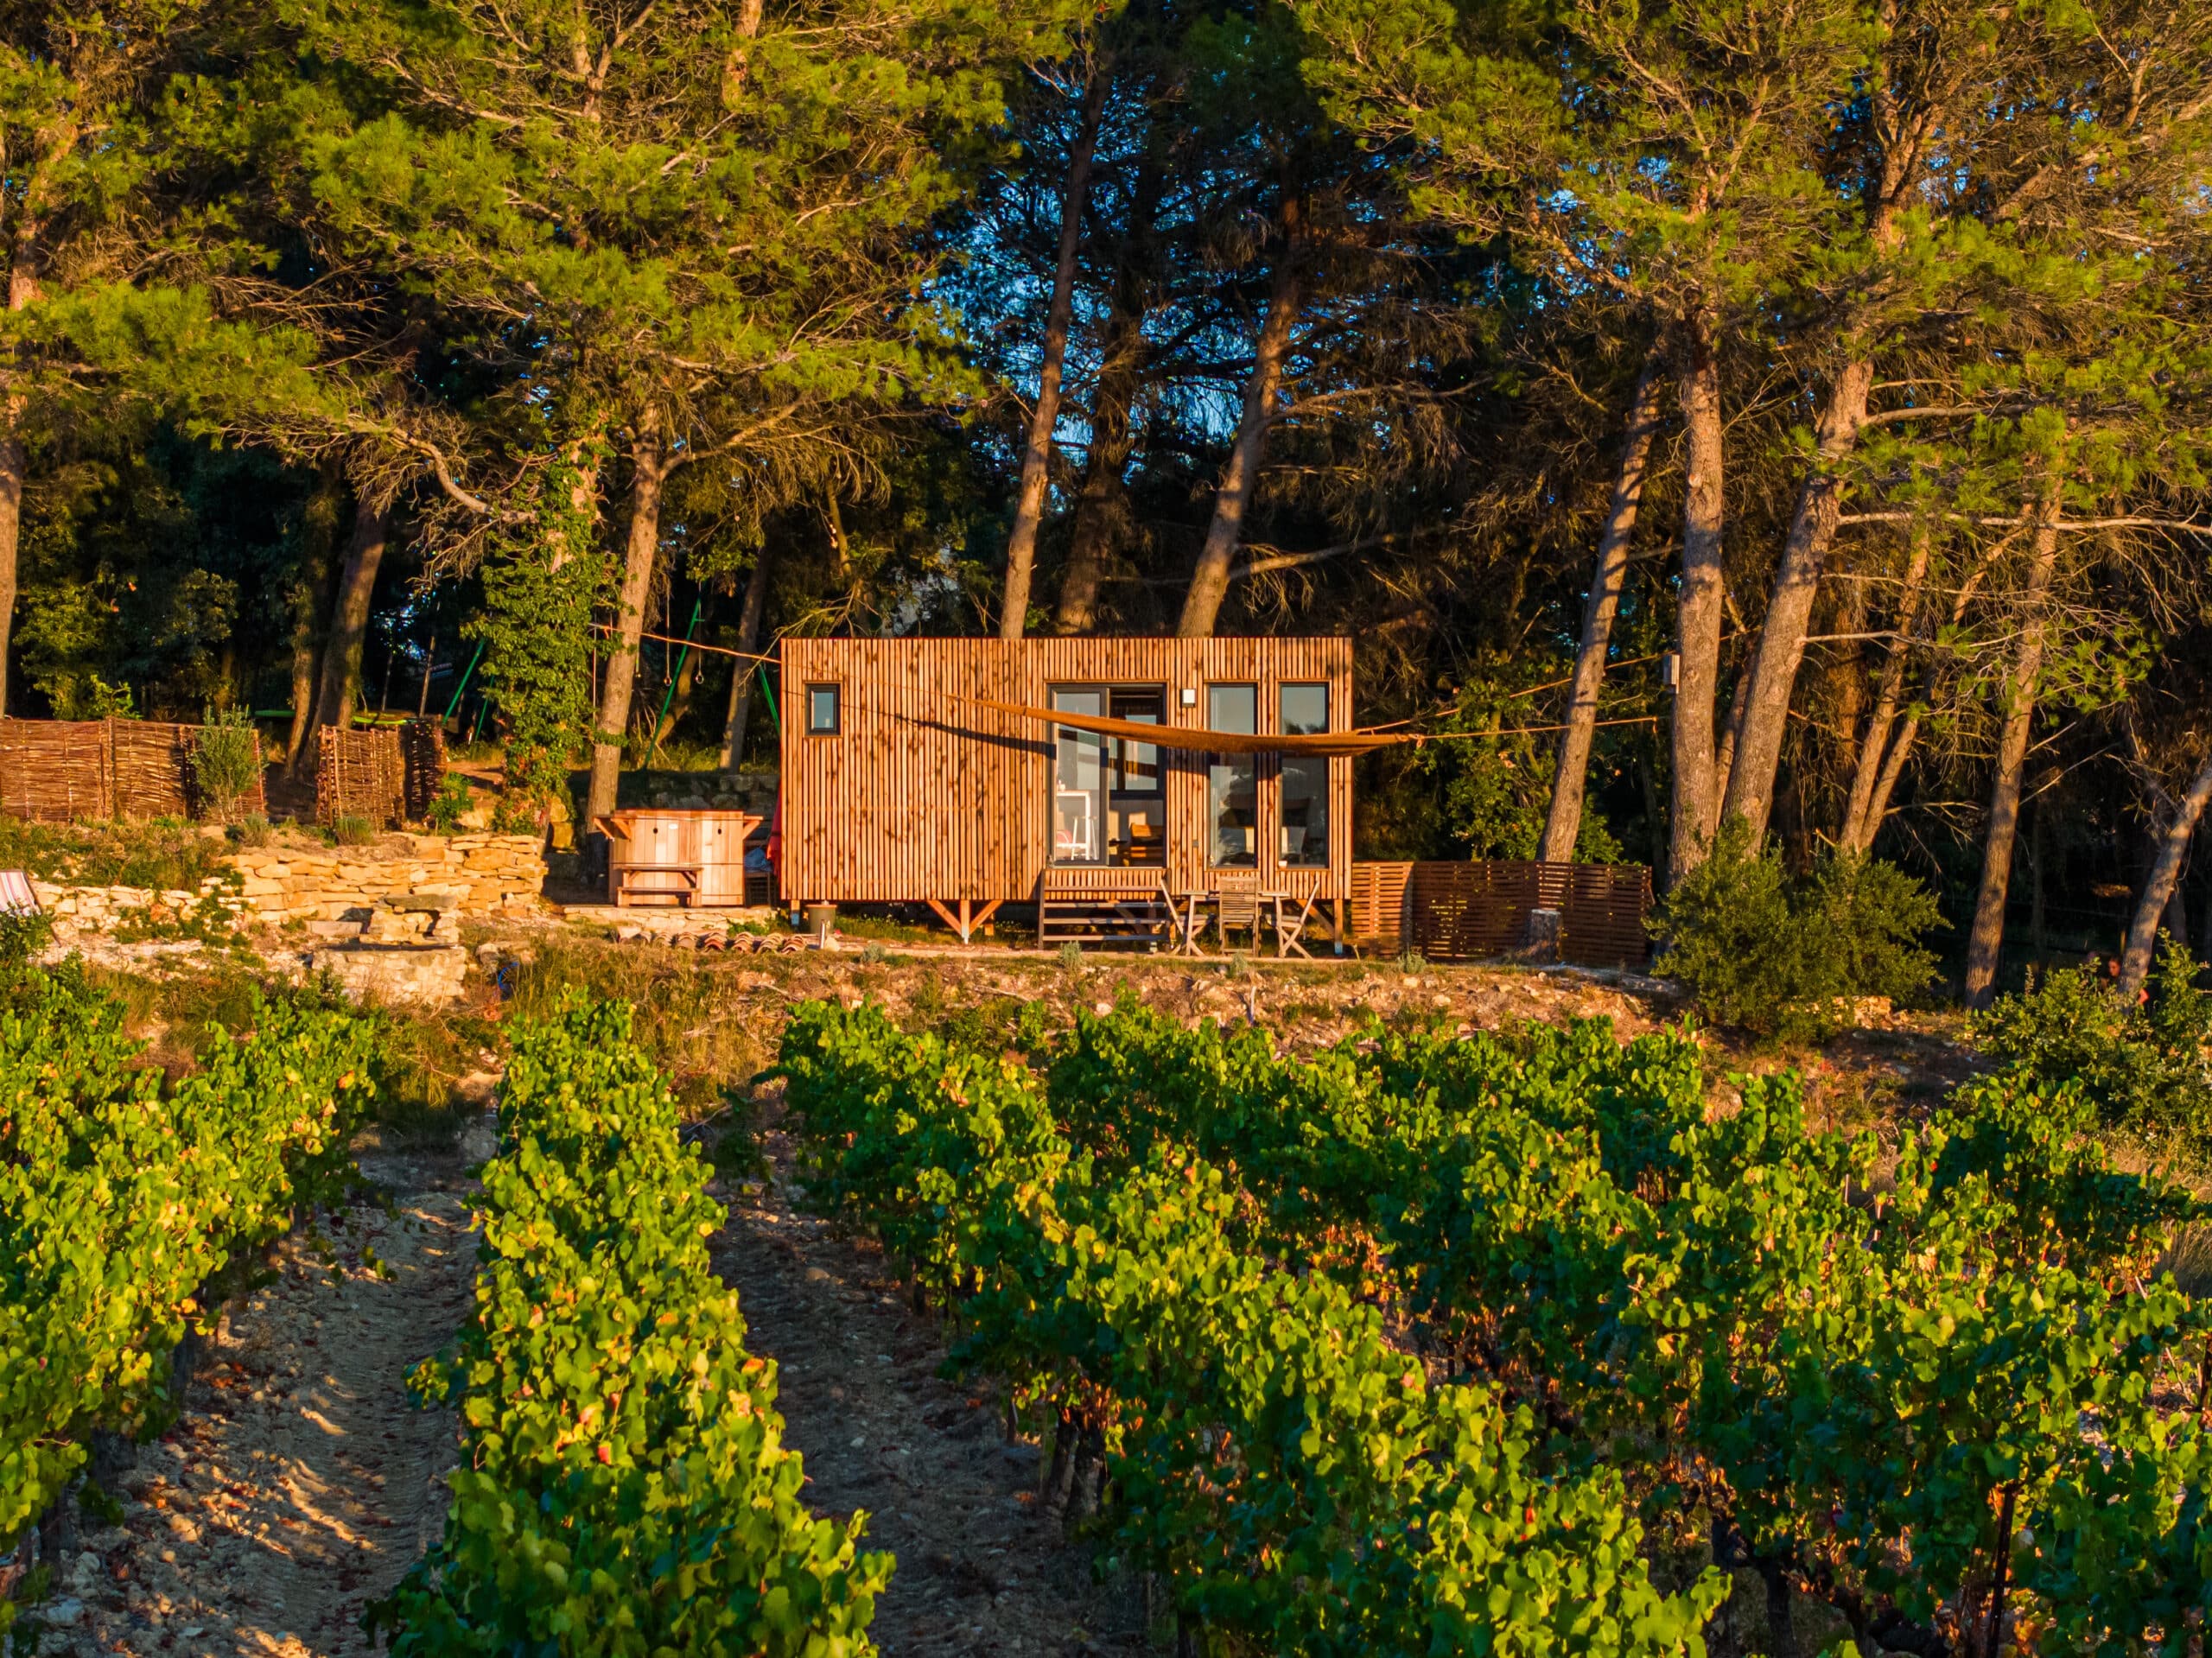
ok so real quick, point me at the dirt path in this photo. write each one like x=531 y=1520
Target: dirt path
x=300 y=1484
x=980 y=1572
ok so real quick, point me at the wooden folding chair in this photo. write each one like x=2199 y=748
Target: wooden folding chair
x=1290 y=929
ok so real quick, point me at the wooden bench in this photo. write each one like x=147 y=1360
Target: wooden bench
x=679 y=881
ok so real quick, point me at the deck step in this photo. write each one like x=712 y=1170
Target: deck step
x=1069 y=919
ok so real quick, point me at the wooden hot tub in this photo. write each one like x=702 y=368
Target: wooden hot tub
x=668 y=858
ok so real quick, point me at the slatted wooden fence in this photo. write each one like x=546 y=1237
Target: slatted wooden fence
x=1378 y=906
x=1466 y=912
x=60 y=770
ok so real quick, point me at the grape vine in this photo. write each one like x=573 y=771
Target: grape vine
x=1845 y=1364
x=624 y=1491
x=123 y=1194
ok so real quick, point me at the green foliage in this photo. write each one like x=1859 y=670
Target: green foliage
x=2144 y=1066
x=539 y=593
x=24 y=935
x=624 y=1489
x=122 y=1194
x=1300 y=1482
x=87 y=697
x=254 y=830
x=351 y=830
x=1498 y=777
x=226 y=759
x=450 y=804
x=1715 y=1311
x=1782 y=956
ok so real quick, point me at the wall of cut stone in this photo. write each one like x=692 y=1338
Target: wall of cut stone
x=483 y=875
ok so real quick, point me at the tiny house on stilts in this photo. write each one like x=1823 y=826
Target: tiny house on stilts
x=1130 y=788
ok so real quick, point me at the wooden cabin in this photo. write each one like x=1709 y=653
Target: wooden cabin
x=932 y=770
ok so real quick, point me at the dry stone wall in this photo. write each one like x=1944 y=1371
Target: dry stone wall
x=483 y=875
x=79 y=911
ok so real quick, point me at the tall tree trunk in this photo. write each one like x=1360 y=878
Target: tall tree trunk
x=430 y=663
x=1724 y=755
x=1698 y=612
x=303 y=665
x=349 y=619
x=2164 y=883
x=1819 y=501
x=1037 y=452
x=1885 y=786
x=840 y=551
x=1563 y=824
x=15 y=464
x=649 y=472
x=1210 y=578
x=748 y=638
x=1985 y=941
x=1102 y=509
x=1859 y=822
x=1790 y=606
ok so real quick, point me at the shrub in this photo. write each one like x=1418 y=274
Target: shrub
x=352 y=830
x=226 y=760
x=1782 y=956
x=253 y=830
x=24 y=935
x=2145 y=1066
x=451 y=804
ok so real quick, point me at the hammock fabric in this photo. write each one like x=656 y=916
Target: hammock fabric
x=1213 y=742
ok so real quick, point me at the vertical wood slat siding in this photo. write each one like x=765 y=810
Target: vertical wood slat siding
x=920 y=795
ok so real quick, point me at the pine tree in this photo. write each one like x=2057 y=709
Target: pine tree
x=693 y=234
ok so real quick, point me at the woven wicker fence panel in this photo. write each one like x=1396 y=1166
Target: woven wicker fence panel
x=422 y=752
x=1466 y=912
x=55 y=771
x=151 y=759
x=360 y=774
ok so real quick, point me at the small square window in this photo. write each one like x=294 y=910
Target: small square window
x=822 y=710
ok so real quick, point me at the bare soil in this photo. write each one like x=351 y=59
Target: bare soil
x=980 y=1569
x=299 y=1482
